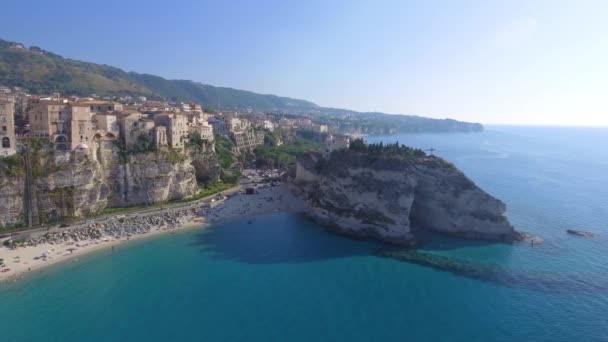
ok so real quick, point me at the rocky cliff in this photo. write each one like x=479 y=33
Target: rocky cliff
x=75 y=184
x=390 y=195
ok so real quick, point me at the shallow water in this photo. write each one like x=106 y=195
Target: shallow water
x=284 y=278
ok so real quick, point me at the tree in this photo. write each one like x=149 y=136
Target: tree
x=358 y=145
x=144 y=143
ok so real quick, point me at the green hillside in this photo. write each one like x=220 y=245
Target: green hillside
x=43 y=72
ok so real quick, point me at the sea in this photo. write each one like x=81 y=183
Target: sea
x=283 y=278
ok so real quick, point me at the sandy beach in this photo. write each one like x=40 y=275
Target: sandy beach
x=234 y=204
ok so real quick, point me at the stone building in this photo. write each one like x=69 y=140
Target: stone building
x=159 y=136
x=204 y=130
x=106 y=125
x=177 y=128
x=127 y=123
x=50 y=117
x=7 y=126
x=220 y=126
x=238 y=125
x=66 y=124
x=97 y=106
x=143 y=126
x=81 y=125
x=246 y=140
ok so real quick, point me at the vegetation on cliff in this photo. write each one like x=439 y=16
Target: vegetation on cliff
x=223 y=148
x=12 y=166
x=284 y=156
x=379 y=156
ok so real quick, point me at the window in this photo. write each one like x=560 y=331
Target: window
x=3 y=128
x=6 y=142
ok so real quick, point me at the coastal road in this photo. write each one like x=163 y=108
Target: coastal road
x=166 y=208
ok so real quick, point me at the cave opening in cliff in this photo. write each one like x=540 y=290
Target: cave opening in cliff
x=419 y=225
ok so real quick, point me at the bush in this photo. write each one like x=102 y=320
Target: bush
x=230 y=177
x=12 y=166
x=223 y=148
x=143 y=143
x=196 y=139
x=174 y=156
x=285 y=155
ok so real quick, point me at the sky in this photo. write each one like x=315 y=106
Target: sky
x=495 y=62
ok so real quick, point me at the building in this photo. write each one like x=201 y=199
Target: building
x=7 y=126
x=106 y=125
x=66 y=124
x=81 y=125
x=287 y=124
x=153 y=106
x=50 y=117
x=220 y=126
x=205 y=131
x=159 y=136
x=144 y=126
x=195 y=107
x=238 y=125
x=127 y=123
x=336 y=142
x=196 y=117
x=265 y=124
x=97 y=106
x=246 y=140
x=177 y=128
x=313 y=127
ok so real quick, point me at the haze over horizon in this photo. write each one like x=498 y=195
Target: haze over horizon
x=532 y=62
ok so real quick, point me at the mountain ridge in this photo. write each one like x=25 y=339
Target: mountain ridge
x=44 y=72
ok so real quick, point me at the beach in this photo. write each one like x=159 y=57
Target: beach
x=71 y=243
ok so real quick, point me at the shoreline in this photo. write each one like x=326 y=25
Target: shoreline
x=61 y=257
x=24 y=261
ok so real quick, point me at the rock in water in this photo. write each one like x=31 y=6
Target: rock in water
x=377 y=192
x=579 y=233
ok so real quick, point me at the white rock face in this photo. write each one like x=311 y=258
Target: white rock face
x=384 y=199
x=68 y=184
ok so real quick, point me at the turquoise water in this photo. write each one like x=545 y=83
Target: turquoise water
x=284 y=278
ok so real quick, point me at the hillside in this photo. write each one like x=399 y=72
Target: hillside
x=43 y=72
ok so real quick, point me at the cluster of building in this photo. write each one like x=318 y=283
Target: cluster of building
x=81 y=124
x=246 y=134
x=84 y=124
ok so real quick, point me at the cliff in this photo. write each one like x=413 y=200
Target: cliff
x=390 y=196
x=74 y=184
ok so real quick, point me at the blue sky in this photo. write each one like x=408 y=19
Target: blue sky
x=528 y=62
